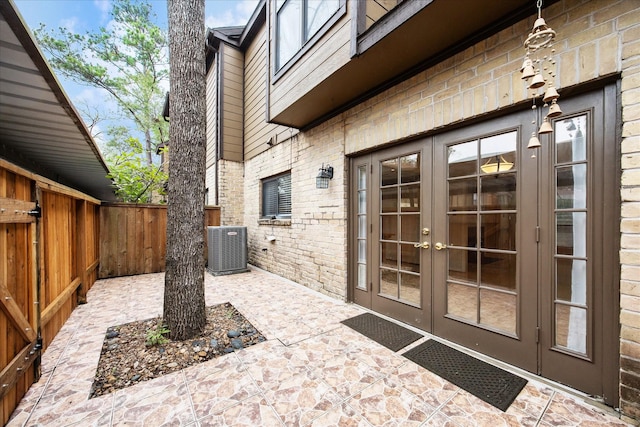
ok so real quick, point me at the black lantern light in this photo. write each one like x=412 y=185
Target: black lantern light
x=325 y=174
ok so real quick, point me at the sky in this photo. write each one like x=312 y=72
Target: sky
x=83 y=16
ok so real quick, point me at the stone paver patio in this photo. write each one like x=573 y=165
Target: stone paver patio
x=312 y=370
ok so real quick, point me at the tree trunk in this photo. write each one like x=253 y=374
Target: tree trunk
x=184 y=305
x=147 y=138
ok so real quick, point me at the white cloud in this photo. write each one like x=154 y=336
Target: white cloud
x=231 y=17
x=70 y=24
x=104 y=6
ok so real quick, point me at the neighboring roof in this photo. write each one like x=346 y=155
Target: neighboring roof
x=238 y=36
x=40 y=129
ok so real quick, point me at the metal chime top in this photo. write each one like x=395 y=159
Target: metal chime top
x=542 y=36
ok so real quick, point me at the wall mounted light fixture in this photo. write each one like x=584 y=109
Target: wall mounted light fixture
x=324 y=175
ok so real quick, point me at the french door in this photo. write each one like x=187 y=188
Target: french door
x=473 y=237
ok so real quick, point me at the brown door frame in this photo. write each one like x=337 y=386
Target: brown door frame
x=609 y=119
x=602 y=251
x=519 y=350
x=419 y=317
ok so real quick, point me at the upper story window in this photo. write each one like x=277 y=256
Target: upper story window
x=297 y=21
x=276 y=196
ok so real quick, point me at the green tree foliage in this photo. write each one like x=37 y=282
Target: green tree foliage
x=134 y=179
x=129 y=60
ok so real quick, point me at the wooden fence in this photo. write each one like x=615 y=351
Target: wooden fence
x=48 y=261
x=133 y=238
x=54 y=243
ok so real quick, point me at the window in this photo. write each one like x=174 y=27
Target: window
x=297 y=21
x=276 y=196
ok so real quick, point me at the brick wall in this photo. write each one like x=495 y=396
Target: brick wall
x=628 y=26
x=596 y=38
x=311 y=247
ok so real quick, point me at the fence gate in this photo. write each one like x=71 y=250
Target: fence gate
x=19 y=317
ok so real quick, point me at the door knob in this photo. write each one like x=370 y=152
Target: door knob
x=423 y=245
x=440 y=246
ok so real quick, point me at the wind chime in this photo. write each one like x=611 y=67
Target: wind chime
x=538 y=69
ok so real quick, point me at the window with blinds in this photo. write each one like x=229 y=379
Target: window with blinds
x=276 y=196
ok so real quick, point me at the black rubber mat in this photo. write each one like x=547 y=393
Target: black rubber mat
x=389 y=334
x=495 y=386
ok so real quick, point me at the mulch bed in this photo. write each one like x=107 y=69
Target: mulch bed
x=127 y=359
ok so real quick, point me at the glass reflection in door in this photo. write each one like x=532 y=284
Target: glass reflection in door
x=481 y=227
x=571 y=216
x=400 y=229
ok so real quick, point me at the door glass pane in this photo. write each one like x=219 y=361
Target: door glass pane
x=362 y=251
x=389 y=255
x=571 y=187
x=410 y=257
x=389 y=227
x=362 y=177
x=410 y=288
x=410 y=199
x=571 y=217
x=463 y=159
x=498 y=192
x=498 y=153
x=362 y=201
x=389 y=172
x=571 y=229
x=462 y=301
x=498 y=310
x=389 y=282
x=463 y=194
x=571 y=280
x=571 y=328
x=498 y=269
x=410 y=228
x=400 y=208
x=481 y=249
x=462 y=265
x=362 y=276
x=389 y=199
x=362 y=226
x=498 y=231
x=462 y=230
x=570 y=139
x=410 y=168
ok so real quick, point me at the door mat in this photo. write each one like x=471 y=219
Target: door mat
x=382 y=331
x=495 y=386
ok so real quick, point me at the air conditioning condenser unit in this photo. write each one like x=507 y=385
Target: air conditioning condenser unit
x=227 y=250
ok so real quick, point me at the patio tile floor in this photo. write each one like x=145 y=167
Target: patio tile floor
x=312 y=370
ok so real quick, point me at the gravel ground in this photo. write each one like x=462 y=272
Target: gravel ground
x=127 y=359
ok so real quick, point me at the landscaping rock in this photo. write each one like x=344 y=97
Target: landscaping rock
x=126 y=360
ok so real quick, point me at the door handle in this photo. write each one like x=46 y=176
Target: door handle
x=423 y=245
x=440 y=246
